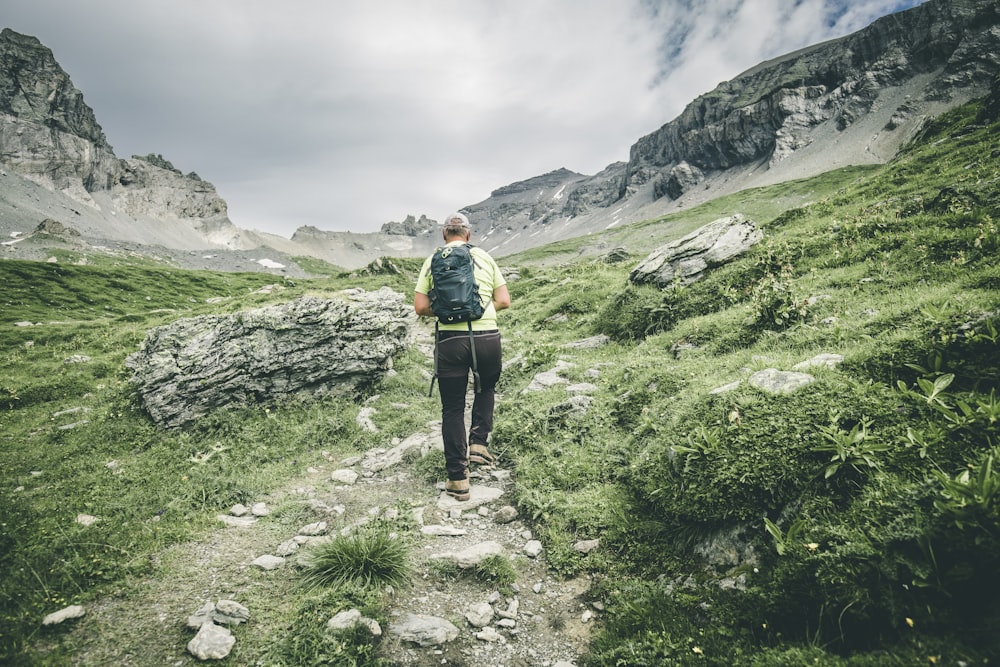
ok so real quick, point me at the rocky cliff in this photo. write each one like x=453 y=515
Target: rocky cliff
x=938 y=53
x=51 y=138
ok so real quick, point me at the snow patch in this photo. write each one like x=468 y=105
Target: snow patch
x=559 y=194
x=270 y=264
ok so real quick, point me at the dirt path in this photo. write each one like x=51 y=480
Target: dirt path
x=146 y=623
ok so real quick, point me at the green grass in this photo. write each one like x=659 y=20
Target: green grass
x=369 y=558
x=860 y=517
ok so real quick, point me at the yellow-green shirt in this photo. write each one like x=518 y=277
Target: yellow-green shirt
x=488 y=277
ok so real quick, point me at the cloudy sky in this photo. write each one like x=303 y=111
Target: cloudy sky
x=346 y=114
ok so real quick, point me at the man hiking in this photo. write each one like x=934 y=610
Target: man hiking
x=463 y=342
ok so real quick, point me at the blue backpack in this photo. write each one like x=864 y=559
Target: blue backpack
x=455 y=297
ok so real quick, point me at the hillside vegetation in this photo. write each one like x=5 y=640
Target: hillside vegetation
x=855 y=521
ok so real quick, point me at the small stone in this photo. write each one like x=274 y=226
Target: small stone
x=423 y=630
x=345 y=620
x=86 y=519
x=287 y=548
x=507 y=623
x=344 y=476
x=212 y=642
x=237 y=521
x=505 y=514
x=260 y=509
x=472 y=556
x=230 y=612
x=533 y=548
x=239 y=510
x=537 y=588
x=318 y=528
x=443 y=531
x=511 y=611
x=489 y=635
x=827 y=359
x=268 y=562
x=727 y=387
x=586 y=616
x=202 y=616
x=480 y=616
x=64 y=614
x=586 y=546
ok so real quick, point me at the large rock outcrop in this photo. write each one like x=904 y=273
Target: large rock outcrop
x=687 y=259
x=310 y=346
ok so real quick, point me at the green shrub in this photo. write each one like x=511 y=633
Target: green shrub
x=745 y=454
x=371 y=557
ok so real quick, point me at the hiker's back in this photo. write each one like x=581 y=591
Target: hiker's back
x=455 y=296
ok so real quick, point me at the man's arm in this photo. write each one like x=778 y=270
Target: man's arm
x=422 y=304
x=501 y=298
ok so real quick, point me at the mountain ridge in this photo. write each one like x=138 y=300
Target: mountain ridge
x=848 y=101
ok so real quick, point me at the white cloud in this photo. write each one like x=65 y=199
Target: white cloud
x=349 y=114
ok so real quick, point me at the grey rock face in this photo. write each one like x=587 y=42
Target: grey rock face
x=310 y=346
x=36 y=89
x=410 y=226
x=767 y=112
x=50 y=135
x=686 y=259
x=144 y=188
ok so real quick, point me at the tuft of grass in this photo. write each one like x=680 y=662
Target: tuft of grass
x=371 y=558
x=497 y=569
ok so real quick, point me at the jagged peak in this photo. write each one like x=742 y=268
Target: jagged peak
x=44 y=93
x=554 y=178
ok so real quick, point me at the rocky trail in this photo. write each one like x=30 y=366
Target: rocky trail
x=243 y=573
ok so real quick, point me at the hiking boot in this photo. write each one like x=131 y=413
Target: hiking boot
x=458 y=489
x=480 y=455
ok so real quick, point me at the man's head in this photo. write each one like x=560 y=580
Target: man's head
x=456 y=226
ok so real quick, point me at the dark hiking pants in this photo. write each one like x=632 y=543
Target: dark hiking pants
x=454 y=364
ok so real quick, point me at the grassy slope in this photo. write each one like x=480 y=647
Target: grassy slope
x=900 y=257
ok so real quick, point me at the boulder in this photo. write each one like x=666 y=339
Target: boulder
x=309 y=347
x=688 y=258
